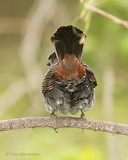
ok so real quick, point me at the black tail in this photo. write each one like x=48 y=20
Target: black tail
x=67 y=41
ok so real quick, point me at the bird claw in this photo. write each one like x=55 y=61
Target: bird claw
x=55 y=129
x=82 y=114
x=53 y=114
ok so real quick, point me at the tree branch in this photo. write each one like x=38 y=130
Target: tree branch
x=107 y=15
x=65 y=122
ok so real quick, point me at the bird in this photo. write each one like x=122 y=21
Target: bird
x=68 y=85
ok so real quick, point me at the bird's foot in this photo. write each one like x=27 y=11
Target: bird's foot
x=53 y=114
x=82 y=114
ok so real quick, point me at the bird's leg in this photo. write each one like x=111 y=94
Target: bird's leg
x=82 y=114
x=53 y=114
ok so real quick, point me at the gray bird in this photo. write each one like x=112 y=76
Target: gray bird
x=68 y=85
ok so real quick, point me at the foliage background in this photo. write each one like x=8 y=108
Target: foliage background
x=106 y=49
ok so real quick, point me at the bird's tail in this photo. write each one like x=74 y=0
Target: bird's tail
x=68 y=40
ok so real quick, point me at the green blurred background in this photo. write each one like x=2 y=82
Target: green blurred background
x=25 y=30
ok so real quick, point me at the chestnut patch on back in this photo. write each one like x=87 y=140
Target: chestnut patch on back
x=70 y=68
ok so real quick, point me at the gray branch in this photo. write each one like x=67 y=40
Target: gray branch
x=63 y=122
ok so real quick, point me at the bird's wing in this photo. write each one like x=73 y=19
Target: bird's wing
x=90 y=75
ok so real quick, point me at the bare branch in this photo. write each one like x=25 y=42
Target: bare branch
x=107 y=15
x=65 y=122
